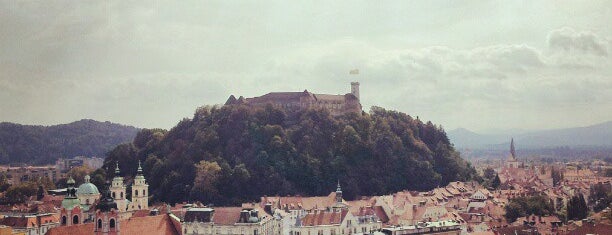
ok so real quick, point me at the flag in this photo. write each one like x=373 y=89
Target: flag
x=354 y=71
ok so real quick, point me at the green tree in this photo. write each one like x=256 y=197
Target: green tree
x=577 y=208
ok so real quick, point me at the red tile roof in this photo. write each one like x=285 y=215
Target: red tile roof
x=226 y=215
x=323 y=218
x=150 y=225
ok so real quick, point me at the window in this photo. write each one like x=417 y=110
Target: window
x=75 y=219
x=143 y=193
x=99 y=223
x=114 y=196
x=63 y=220
x=136 y=193
x=87 y=201
x=112 y=223
x=121 y=195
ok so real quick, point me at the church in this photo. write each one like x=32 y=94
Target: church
x=512 y=162
x=78 y=206
x=292 y=101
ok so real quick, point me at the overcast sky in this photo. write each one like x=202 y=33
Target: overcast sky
x=480 y=65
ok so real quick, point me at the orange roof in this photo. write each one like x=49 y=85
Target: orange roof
x=323 y=218
x=226 y=215
x=161 y=224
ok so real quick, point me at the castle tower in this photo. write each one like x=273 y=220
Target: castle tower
x=117 y=189
x=106 y=218
x=355 y=89
x=140 y=191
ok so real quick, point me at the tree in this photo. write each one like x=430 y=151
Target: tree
x=523 y=206
x=20 y=193
x=577 y=208
x=79 y=173
x=495 y=182
x=207 y=175
x=557 y=176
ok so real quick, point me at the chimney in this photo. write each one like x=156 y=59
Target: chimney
x=355 y=89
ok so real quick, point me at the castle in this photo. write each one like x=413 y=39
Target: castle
x=292 y=101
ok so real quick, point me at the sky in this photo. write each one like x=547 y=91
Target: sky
x=480 y=65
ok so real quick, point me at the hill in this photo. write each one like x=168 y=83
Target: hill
x=231 y=154
x=598 y=135
x=45 y=144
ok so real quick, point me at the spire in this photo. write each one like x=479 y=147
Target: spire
x=117 y=169
x=512 y=152
x=139 y=171
x=87 y=178
x=338 y=193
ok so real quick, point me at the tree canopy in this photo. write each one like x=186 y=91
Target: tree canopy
x=231 y=154
x=45 y=144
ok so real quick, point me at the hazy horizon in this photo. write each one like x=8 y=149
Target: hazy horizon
x=482 y=65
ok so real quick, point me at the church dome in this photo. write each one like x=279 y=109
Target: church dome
x=87 y=188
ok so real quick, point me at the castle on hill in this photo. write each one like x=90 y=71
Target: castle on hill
x=292 y=101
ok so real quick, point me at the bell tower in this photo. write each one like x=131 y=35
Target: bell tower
x=117 y=189
x=140 y=191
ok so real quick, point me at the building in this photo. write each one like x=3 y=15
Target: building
x=71 y=212
x=117 y=189
x=30 y=224
x=107 y=221
x=512 y=162
x=87 y=193
x=291 y=101
x=18 y=175
x=230 y=220
x=336 y=219
x=440 y=227
x=140 y=192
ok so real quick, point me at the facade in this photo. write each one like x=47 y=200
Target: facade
x=18 y=175
x=117 y=189
x=140 y=192
x=291 y=101
x=230 y=220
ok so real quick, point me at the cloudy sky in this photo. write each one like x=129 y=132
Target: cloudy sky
x=481 y=65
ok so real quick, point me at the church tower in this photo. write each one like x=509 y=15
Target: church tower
x=117 y=189
x=140 y=191
x=338 y=193
x=512 y=162
x=71 y=212
x=106 y=218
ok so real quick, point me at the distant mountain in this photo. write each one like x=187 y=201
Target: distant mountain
x=45 y=144
x=599 y=135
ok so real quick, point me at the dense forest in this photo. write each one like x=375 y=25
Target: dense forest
x=231 y=154
x=45 y=144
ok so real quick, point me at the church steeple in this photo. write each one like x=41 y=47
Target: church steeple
x=117 y=172
x=512 y=151
x=338 y=193
x=139 y=171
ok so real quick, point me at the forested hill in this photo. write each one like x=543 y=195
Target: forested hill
x=45 y=144
x=231 y=154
